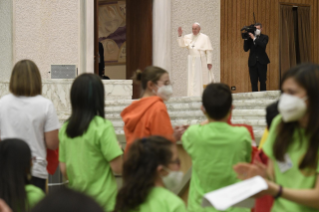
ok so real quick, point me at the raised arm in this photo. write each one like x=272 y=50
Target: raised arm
x=180 y=38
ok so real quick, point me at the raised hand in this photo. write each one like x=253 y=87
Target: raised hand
x=252 y=36
x=180 y=31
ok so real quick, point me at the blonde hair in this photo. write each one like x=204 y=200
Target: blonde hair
x=25 y=79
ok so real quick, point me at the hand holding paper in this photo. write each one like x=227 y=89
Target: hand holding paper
x=236 y=195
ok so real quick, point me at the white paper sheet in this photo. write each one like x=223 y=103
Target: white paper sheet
x=236 y=195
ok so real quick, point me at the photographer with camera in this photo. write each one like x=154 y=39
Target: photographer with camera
x=258 y=58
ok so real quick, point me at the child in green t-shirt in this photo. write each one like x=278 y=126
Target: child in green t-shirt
x=15 y=174
x=215 y=147
x=149 y=164
x=89 y=152
x=292 y=145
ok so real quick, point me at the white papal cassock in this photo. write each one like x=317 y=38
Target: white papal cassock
x=199 y=55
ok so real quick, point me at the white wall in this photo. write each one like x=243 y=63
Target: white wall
x=6 y=50
x=184 y=14
x=47 y=32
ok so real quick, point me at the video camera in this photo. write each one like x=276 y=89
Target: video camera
x=248 y=29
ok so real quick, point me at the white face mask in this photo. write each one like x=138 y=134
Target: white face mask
x=173 y=180
x=292 y=108
x=165 y=92
x=257 y=32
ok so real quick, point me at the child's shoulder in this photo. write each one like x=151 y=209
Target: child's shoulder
x=239 y=130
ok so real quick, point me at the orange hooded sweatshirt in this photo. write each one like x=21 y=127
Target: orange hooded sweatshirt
x=146 y=117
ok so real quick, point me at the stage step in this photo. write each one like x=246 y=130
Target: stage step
x=249 y=108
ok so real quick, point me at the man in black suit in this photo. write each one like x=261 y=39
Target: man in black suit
x=101 y=62
x=258 y=58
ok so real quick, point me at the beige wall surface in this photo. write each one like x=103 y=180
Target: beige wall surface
x=116 y=72
x=184 y=14
x=6 y=50
x=47 y=32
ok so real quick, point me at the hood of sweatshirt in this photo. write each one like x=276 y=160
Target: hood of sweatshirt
x=135 y=112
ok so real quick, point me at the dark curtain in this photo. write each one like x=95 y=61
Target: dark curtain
x=139 y=38
x=295 y=14
x=287 y=39
x=304 y=34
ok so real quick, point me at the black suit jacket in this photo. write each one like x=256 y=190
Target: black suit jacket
x=101 y=64
x=257 y=50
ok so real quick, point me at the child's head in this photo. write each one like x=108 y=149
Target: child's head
x=65 y=200
x=15 y=169
x=217 y=101
x=147 y=161
x=154 y=80
x=87 y=101
x=25 y=79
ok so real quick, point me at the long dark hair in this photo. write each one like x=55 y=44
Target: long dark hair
x=15 y=166
x=87 y=101
x=139 y=171
x=307 y=76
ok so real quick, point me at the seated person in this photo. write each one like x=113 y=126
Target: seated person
x=215 y=147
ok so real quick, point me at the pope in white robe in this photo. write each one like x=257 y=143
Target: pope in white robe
x=199 y=59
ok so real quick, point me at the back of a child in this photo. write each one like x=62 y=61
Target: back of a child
x=89 y=152
x=215 y=147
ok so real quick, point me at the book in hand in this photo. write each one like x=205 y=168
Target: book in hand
x=236 y=195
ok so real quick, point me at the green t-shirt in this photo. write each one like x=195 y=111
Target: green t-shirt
x=293 y=178
x=87 y=160
x=34 y=195
x=160 y=199
x=214 y=148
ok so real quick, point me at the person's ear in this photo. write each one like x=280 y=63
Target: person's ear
x=231 y=110
x=203 y=109
x=151 y=86
x=161 y=171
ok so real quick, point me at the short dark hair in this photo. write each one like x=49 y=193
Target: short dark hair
x=217 y=100
x=64 y=199
x=259 y=24
x=87 y=101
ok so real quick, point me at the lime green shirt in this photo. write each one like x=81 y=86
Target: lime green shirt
x=293 y=178
x=34 y=195
x=214 y=148
x=159 y=200
x=87 y=160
